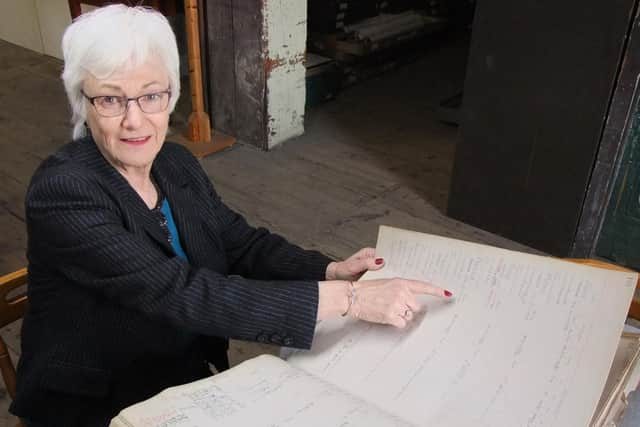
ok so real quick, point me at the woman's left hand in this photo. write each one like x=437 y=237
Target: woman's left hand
x=355 y=266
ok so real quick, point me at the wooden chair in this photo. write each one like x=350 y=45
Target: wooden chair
x=12 y=307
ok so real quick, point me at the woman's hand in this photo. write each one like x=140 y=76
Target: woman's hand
x=387 y=301
x=391 y=301
x=355 y=266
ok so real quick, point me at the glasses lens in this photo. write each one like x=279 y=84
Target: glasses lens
x=110 y=105
x=154 y=102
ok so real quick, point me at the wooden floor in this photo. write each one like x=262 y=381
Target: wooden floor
x=375 y=155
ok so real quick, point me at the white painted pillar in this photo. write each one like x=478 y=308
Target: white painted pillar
x=285 y=37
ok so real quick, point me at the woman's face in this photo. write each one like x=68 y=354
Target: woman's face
x=132 y=139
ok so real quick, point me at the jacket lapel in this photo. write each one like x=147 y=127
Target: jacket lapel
x=149 y=222
x=183 y=203
x=131 y=203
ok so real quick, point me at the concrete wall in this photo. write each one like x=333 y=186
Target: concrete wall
x=36 y=24
x=19 y=24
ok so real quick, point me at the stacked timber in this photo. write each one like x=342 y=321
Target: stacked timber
x=366 y=37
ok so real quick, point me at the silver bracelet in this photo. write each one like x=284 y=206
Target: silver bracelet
x=353 y=296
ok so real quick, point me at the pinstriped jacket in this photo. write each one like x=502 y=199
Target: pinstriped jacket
x=114 y=316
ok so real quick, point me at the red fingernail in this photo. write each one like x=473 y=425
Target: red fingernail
x=379 y=261
x=447 y=293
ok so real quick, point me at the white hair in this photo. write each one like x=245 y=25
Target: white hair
x=109 y=38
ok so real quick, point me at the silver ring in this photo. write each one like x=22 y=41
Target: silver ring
x=407 y=313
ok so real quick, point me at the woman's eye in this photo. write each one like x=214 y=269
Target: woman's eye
x=109 y=99
x=152 y=97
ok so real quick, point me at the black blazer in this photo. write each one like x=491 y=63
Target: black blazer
x=114 y=316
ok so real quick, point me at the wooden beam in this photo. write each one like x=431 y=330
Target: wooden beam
x=256 y=69
x=249 y=72
x=199 y=127
x=199 y=132
x=220 y=57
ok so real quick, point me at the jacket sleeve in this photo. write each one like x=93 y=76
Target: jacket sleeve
x=256 y=252
x=260 y=254
x=80 y=231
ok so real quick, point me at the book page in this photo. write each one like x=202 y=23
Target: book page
x=264 y=391
x=624 y=363
x=527 y=341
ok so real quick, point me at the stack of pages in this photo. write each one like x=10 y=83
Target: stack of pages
x=527 y=341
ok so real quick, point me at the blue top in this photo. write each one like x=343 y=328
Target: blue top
x=173 y=231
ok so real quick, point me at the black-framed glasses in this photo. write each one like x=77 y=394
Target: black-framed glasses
x=113 y=105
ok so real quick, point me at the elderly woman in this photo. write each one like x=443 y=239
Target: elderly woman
x=138 y=271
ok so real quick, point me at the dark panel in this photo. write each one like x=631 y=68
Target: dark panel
x=204 y=53
x=250 y=81
x=539 y=78
x=611 y=147
x=620 y=237
x=220 y=77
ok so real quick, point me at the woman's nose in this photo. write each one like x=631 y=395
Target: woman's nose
x=133 y=115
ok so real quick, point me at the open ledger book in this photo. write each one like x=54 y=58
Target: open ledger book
x=527 y=341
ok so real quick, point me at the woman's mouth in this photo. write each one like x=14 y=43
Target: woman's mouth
x=136 y=141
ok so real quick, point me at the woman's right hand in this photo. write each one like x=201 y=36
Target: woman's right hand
x=391 y=301
x=387 y=301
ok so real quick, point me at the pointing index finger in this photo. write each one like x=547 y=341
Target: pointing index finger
x=419 y=287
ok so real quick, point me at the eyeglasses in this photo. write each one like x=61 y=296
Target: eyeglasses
x=112 y=106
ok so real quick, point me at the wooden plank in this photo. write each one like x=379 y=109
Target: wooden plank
x=14 y=178
x=13 y=243
x=33 y=123
x=221 y=64
x=348 y=204
x=250 y=80
x=281 y=201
